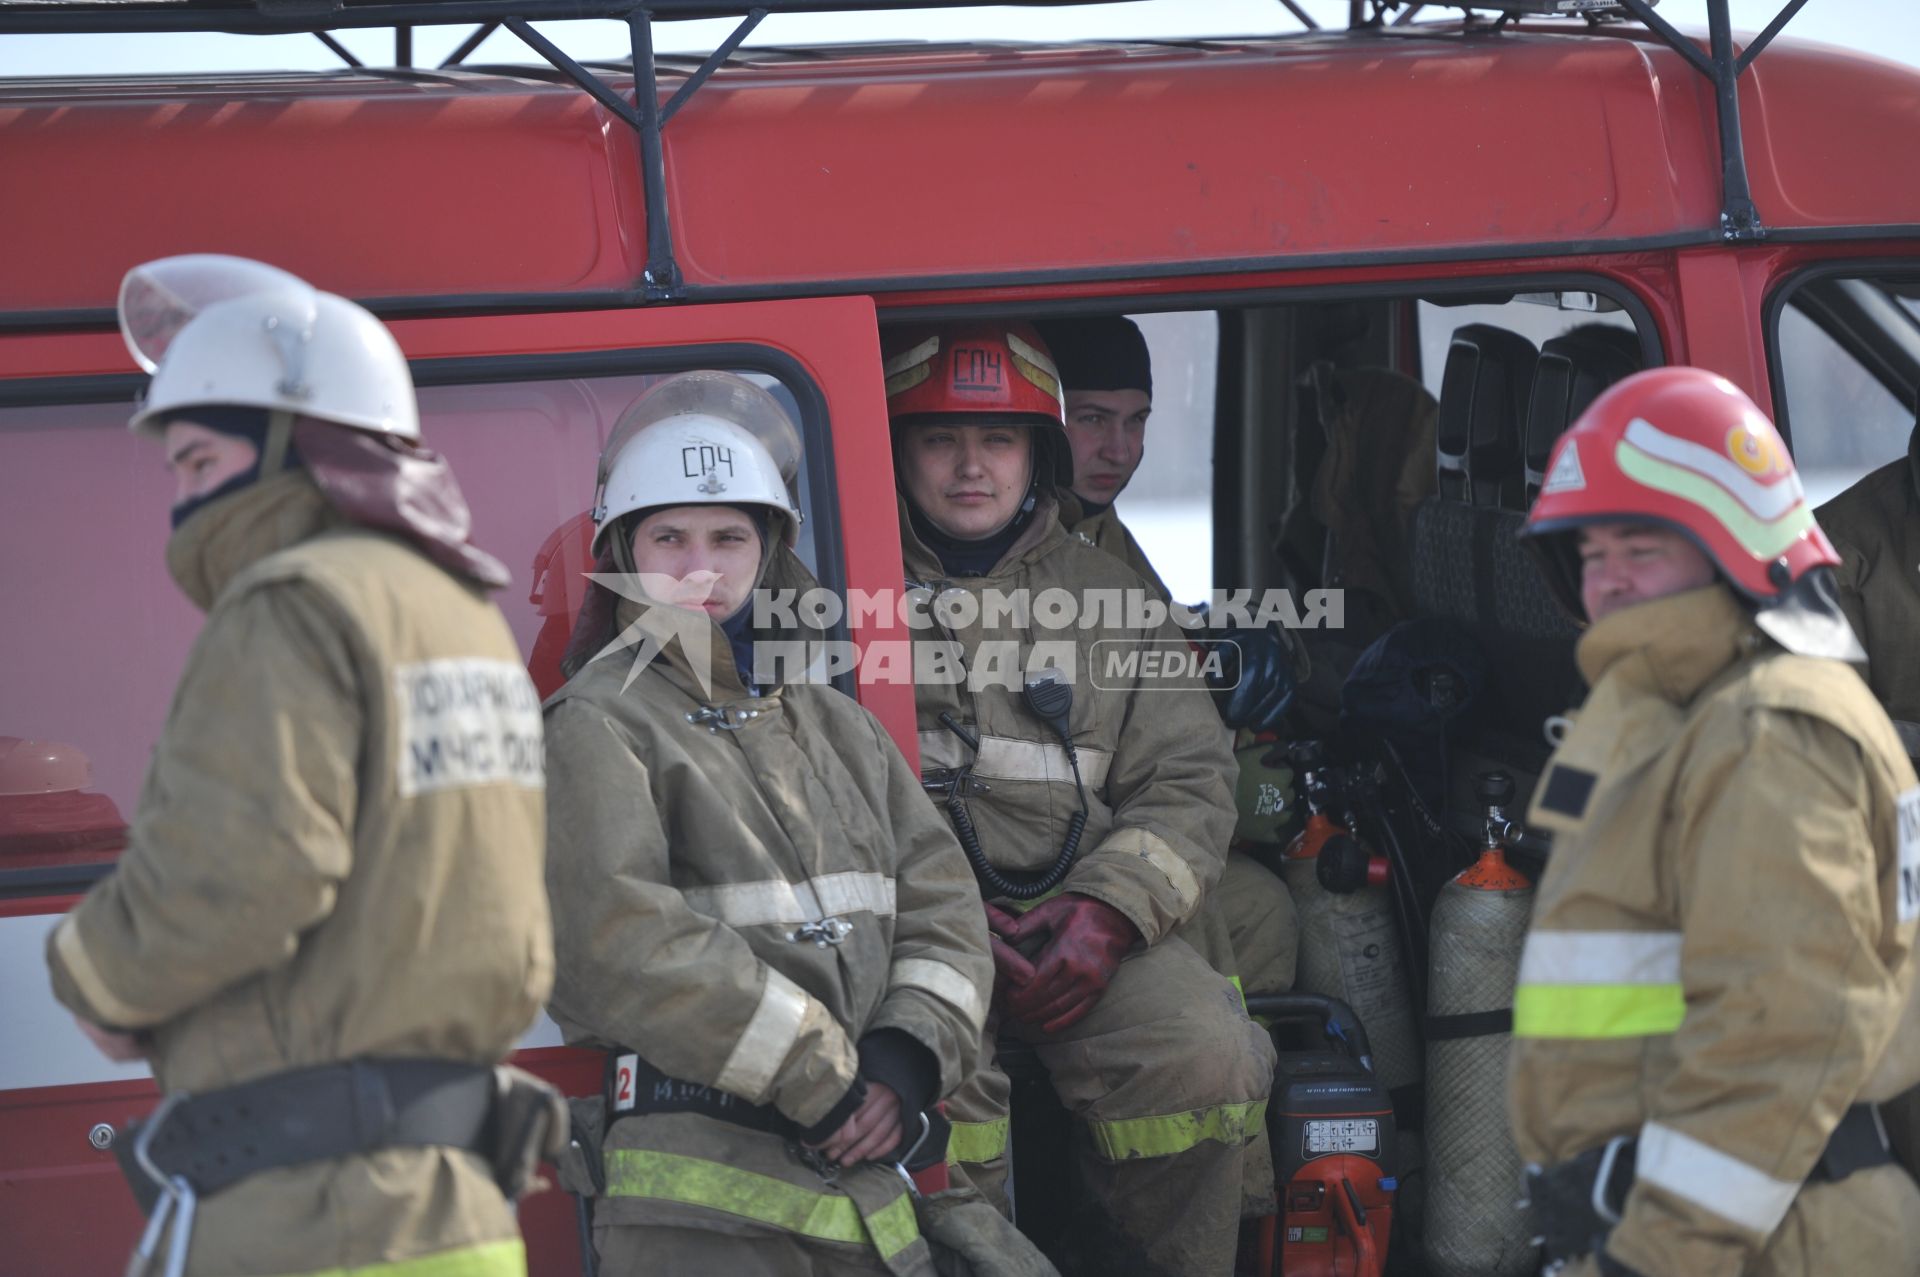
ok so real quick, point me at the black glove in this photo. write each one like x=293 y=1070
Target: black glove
x=1256 y=682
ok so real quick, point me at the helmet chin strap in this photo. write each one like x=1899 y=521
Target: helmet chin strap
x=273 y=449
x=621 y=544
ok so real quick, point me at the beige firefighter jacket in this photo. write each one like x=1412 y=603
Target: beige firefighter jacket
x=1875 y=525
x=1720 y=951
x=1105 y=531
x=1155 y=761
x=702 y=841
x=337 y=853
x=686 y=855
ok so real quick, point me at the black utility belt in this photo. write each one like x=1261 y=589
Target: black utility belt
x=635 y=1087
x=1577 y=1201
x=210 y=1141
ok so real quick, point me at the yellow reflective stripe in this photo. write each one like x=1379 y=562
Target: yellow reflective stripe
x=1173 y=1133
x=1597 y=1010
x=1234 y=980
x=976 y=1142
x=694 y=1181
x=1021 y=906
x=490 y=1259
x=894 y=1226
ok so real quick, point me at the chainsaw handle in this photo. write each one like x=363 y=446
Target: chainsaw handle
x=1353 y=1218
x=1335 y=1018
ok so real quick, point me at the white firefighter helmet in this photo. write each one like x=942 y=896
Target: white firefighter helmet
x=225 y=330
x=700 y=438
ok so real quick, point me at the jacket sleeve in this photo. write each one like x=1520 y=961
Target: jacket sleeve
x=640 y=968
x=942 y=973
x=245 y=826
x=1172 y=800
x=1788 y=966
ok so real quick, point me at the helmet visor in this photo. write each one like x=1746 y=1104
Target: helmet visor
x=159 y=298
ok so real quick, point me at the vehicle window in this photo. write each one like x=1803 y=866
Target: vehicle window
x=1847 y=360
x=1537 y=321
x=96 y=633
x=1169 y=504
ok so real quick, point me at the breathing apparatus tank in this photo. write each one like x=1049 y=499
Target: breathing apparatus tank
x=1479 y=923
x=1349 y=937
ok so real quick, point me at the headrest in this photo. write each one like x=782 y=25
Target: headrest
x=1483 y=405
x=1572 y=371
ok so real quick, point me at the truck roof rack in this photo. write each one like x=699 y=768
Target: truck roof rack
x=1739 y=219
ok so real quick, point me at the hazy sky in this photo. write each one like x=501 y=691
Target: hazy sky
x=1886 y=27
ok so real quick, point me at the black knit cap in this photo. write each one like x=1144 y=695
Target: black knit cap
x=1101 y=352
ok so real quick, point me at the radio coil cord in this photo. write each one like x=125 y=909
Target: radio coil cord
x=1050 y=698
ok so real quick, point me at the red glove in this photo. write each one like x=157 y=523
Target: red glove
x=1085 y=942
x=1011 y=971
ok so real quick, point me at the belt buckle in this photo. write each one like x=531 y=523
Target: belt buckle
x=1601 y=1177
x=900 y=1167
x=177 y=1199
x=814 y=1161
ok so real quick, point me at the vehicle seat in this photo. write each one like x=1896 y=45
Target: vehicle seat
x=1572 y=371
x=1483 y=408
x=1468 y=565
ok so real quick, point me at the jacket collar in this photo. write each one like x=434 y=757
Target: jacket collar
x=1041 y=536
x=674 y=628
x=225 y=537
x=1671 y=647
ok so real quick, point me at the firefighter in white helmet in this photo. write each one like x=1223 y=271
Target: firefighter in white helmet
x=329 y=926
x=1717 y=988
x=760 y=917
x=1095 y=810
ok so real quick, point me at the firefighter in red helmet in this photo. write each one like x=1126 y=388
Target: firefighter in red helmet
x=1095 y=809
x=1713 y=995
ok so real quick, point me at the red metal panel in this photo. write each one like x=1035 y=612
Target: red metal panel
x=393 y=188
x=874 y=166
x=1336 y=145
x=1832 y=137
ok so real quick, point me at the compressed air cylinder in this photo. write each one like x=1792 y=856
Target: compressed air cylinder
x=1472 y=1227
x=1350 y=949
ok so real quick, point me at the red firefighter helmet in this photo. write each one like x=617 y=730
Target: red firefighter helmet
x=979 y=373
x=1685 y=449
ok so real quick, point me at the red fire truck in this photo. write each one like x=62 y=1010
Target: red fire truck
x=1462 y=200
